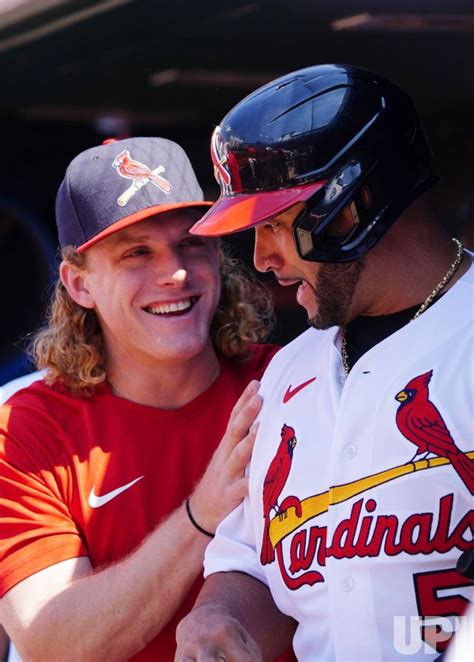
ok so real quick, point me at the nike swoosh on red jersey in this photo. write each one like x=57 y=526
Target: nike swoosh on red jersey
x=96 y=501
x=291 y=392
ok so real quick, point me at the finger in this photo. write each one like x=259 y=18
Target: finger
x=238 y=491
x=250 y=390
x=234 y=649
x=242 y=452
x=239 y=426
x=254 y=427
x=207 y=653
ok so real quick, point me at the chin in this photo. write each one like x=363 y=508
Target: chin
x=182 y=351
x=324 y=321
x=316 y=323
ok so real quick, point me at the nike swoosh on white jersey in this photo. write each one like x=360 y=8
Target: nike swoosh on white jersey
x=96 y=501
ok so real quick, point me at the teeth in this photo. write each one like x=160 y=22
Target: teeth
x=170 y=307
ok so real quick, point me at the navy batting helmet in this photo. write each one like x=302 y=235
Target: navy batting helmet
x=329 y=136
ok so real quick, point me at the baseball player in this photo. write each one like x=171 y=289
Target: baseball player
x=362 y=475
x=113 y=475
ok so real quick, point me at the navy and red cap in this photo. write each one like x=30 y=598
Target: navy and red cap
x=121 y=182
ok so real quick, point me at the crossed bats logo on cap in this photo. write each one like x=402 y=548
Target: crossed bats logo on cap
x=141 y=174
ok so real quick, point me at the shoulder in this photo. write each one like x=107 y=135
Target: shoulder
x=238 y=371
x=40 y=424
x=467 y=281
x=260 y=355
x=33 y=393
x=42 y=407
x=454 y=309
x=250 y=365
x=465 y=284
x=8 y=389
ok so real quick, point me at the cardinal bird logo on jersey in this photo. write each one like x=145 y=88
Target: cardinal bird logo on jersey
x=140 y=174
x=421 y=423
x=274 y=482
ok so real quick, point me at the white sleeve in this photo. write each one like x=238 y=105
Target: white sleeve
x=233 y=548
x=13 y=654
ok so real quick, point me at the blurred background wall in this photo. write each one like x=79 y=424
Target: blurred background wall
x=75 y=72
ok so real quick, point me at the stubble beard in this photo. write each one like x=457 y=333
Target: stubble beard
x=333 y=292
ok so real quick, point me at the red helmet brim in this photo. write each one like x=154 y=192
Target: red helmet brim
x=239 y=212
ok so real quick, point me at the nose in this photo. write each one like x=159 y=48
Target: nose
x=266 y=256
x=169 y=268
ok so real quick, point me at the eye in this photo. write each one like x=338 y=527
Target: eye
x=272 y=226
x=193 y=240
x=137 y=251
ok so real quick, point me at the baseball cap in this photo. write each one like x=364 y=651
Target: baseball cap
x=121 y=182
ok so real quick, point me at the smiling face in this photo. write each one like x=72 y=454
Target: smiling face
x=326 y=291
x=155 y=289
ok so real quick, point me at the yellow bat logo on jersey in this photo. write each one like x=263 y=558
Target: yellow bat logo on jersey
x=284 y=525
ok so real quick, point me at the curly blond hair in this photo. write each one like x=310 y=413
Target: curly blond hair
x=71 y=345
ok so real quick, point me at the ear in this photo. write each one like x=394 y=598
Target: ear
x=74 y=280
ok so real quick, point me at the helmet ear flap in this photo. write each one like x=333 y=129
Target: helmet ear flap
x=334 y=218
x=369 y=206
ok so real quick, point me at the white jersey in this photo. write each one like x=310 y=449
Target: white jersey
x=361 y=489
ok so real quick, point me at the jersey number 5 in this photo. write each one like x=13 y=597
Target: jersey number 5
x=431 y=604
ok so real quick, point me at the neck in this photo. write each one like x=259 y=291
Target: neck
x=165 y=385
x=405 y=268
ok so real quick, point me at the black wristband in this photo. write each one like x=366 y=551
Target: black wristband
x=194 y=523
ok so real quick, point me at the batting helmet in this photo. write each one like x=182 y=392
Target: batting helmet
x=330 y=136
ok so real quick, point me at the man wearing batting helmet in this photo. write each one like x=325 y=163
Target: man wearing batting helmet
x=356 y=518
x=116 y=468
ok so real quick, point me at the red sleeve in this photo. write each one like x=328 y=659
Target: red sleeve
x=36 y=528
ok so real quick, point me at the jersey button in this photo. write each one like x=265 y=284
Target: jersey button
x=350 y=451
x=347 y=584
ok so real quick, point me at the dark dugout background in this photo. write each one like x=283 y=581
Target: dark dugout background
x=75 y=72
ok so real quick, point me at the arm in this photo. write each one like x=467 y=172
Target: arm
x=115 y=612
x=235 y=618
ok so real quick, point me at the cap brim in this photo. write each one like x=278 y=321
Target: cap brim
x=140 y=216
x=239 y=212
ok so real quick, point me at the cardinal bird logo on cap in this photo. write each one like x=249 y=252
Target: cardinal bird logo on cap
x=274 y=482
x=421 y=423
x=140 y=174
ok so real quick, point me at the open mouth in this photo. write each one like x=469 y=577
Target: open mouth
x=285 y=282
x=173 y=308
x=302 y=285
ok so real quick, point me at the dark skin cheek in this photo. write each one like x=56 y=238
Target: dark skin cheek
x=335 y=288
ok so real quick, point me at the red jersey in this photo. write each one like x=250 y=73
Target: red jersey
x=93 y=476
